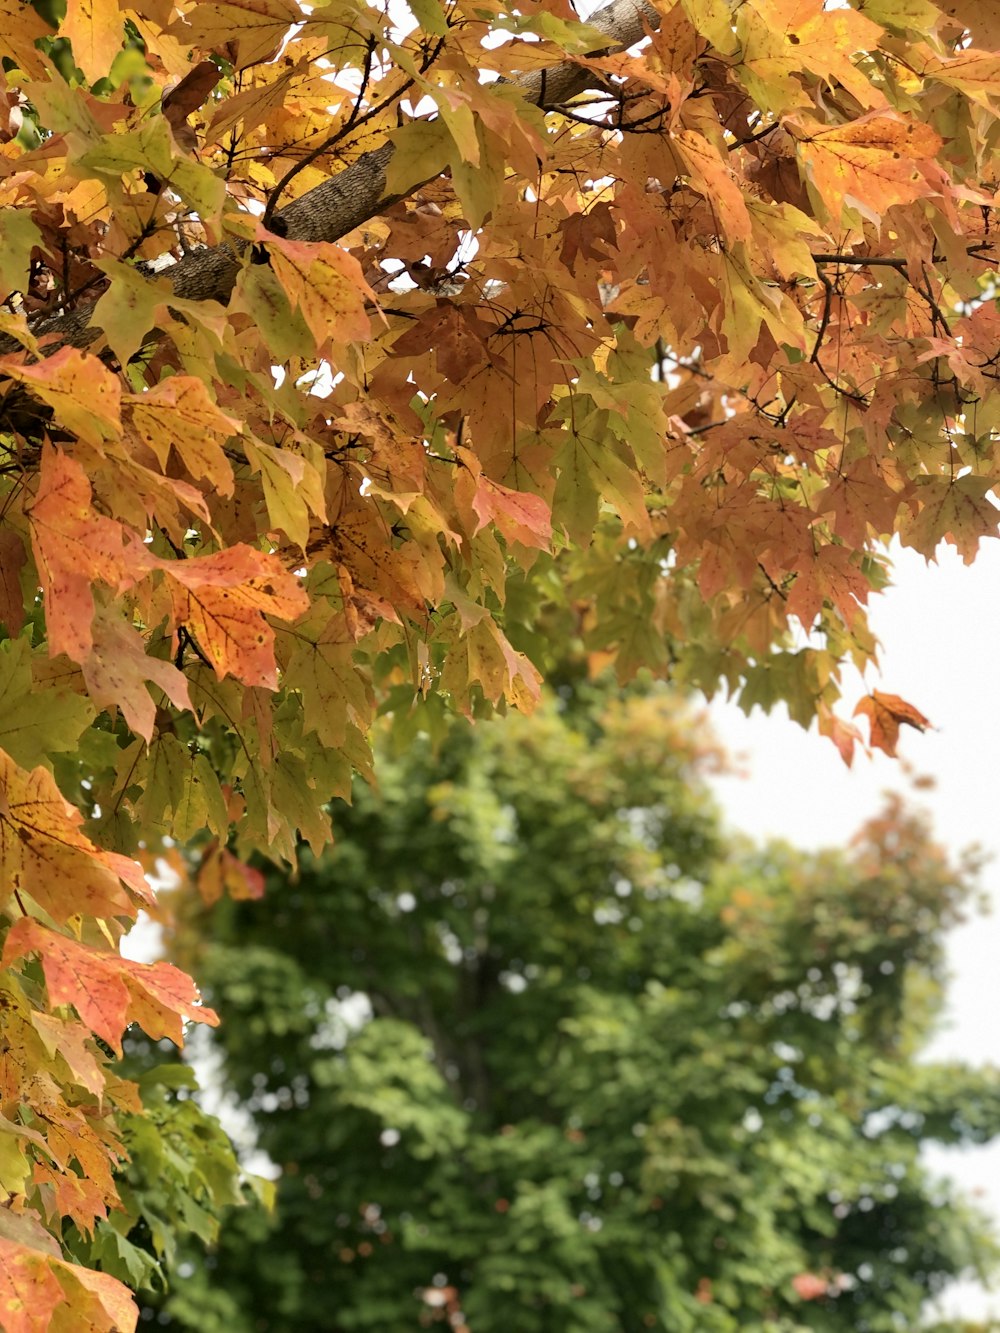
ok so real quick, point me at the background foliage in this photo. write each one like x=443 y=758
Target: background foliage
x=537 y=1046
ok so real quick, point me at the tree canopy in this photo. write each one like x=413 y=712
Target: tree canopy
x=537 y=1047
x=359 y=356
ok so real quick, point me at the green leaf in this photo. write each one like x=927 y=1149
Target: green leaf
x=478 y=184
x=262 y=296
x=423 y=148
x=18 y=236
x=31 y=731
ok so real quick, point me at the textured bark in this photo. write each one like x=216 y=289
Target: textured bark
x=354 y=195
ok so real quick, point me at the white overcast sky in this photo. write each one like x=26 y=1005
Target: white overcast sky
x=939 y=626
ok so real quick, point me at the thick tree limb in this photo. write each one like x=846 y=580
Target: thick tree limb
x=356 y=194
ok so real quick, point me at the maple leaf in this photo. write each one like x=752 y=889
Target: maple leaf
x=588 y=235
x=31 y=735
x=118 y=669
x=73 y=1043
x=74 y=548
x=43 y=852
x=322 y=667
x=870 y=164
x=222 y=599
x=326 y=284
x=257 y=27
x=180 y=414
x=191 y=93
x=342 y=373
x=958 y=510
x=80 y=390
x=20 y=28
x=980 y=17
x=107 y=991
x=34 y=1284
x=780 y=41
x=29 y=1288
x=843 y=734
x=220 y=871
x=95 y=31
x=459 y=341
x=520 y=516
x=886 y=713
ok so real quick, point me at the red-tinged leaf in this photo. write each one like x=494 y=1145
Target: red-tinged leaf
x=74 y=1043
x=77 y=1198
x=865 y=495
x=713 y=176
x=119 y=668
x=12 y=559
x=74 y=548
x=809 y=1287
x=180 y=414
x=36 y=1287
x=162 y=996
x=29 y=1289
x=222 y=600
x=843 y=734
x=326 y=284
x=834 y=576
x=43 y=852
x=99 y=1297
x=82 y=392
x=109 y=992
x=520 y=516
x=222 y=872
x=885 y=714
x=458 y=341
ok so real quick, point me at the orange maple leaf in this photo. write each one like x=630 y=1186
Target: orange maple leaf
x=44 y=853
x=222 y=600
x=809 y=1287
x=74 y=548
x=108 y=991
x=885 y=714
x=35 y=1282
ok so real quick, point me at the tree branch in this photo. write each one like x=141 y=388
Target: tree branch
x=358 y=193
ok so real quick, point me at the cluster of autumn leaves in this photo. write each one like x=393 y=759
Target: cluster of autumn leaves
x=352 y=362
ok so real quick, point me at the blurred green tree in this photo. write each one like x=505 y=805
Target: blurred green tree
x=538 y=1048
